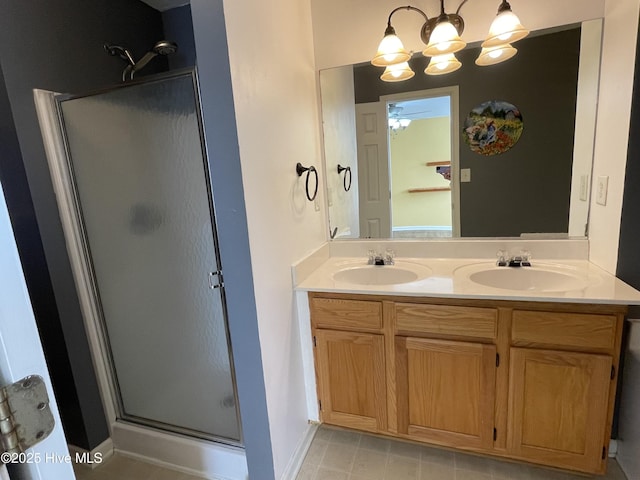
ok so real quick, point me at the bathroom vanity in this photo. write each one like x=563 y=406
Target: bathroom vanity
x=525 y=380
x=522 y=373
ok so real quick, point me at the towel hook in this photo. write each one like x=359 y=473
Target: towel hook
x=346 y=170
x=300 y=170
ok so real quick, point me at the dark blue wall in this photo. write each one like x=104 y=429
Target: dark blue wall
x=16 y=190
x=178 y=28
x=59 y=46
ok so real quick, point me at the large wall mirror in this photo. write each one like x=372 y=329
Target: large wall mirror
x=401 y=147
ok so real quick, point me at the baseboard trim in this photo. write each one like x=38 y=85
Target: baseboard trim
x=295 y=463
x=613 y=448
x=91 y=459
x=187 y=455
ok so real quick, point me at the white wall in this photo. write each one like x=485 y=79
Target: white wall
x=586 y=116
x=612 y=128
x=349 y=31
x=274 y=89
x=339 y=135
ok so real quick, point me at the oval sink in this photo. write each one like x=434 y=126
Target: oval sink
x=381 y=275
x=528 y=278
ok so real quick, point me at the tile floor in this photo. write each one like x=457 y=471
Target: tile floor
x=337 y=454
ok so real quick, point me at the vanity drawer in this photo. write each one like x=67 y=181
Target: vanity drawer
x=338 y=313
x=582 y=330
x=475 y=322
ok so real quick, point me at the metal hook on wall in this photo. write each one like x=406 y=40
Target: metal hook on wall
x=300 y=170
x=346 y=170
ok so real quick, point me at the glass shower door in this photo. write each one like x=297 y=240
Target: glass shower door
x=142 y=193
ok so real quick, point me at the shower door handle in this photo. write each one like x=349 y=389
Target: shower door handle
x=215 y=280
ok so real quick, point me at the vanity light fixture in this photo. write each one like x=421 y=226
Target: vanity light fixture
x=495 y=55
x=442 y=64
x=397 y=73
x=441 y=35
x=506 y=28
x=445 y=37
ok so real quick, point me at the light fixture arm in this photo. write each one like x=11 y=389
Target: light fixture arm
x=407 y=7
x=460 y=6
x=504 y=6
x=425 y=31
x=430 y=23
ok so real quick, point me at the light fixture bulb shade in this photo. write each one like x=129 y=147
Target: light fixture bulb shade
x=443 y=64
x=495 y=55
x=444 y=39
x=506 y=28
x=390 y=52
x=404 y=122
x=397 y=73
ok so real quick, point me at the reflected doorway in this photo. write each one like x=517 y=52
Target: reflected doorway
x=423 y=164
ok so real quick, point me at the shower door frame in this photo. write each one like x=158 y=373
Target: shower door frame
x=61 y=168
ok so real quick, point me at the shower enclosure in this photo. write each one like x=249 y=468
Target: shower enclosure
x=140 y=209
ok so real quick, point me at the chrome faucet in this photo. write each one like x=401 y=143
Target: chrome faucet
x=522 y=260
x=376 y=258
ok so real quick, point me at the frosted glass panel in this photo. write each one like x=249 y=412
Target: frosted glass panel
x=143 y=194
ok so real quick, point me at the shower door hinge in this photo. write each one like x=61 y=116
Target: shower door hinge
x=215 y=280
x=25 y=417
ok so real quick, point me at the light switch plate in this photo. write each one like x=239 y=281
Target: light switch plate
x=601 y=190
x=465 y=174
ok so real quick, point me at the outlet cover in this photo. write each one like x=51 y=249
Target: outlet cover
x=601 y=190
x=465 y=174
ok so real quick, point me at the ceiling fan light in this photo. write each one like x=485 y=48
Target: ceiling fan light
x=444 y=39
x=390 y=51
x=495 y=55
x=443 y=64
x=397 y=73
x=404 y=122
x=505 y=28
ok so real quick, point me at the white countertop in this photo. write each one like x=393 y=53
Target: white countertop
x=449 y=277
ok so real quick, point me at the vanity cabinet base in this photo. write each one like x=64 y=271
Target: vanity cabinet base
x=351 y=371
x=530 y=381
x=446 y=391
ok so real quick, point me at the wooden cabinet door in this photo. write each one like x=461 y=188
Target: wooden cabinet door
x=558 y=404
x=351 y=373
x=446 y=391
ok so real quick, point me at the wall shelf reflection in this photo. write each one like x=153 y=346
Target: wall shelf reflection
x=430 y=189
